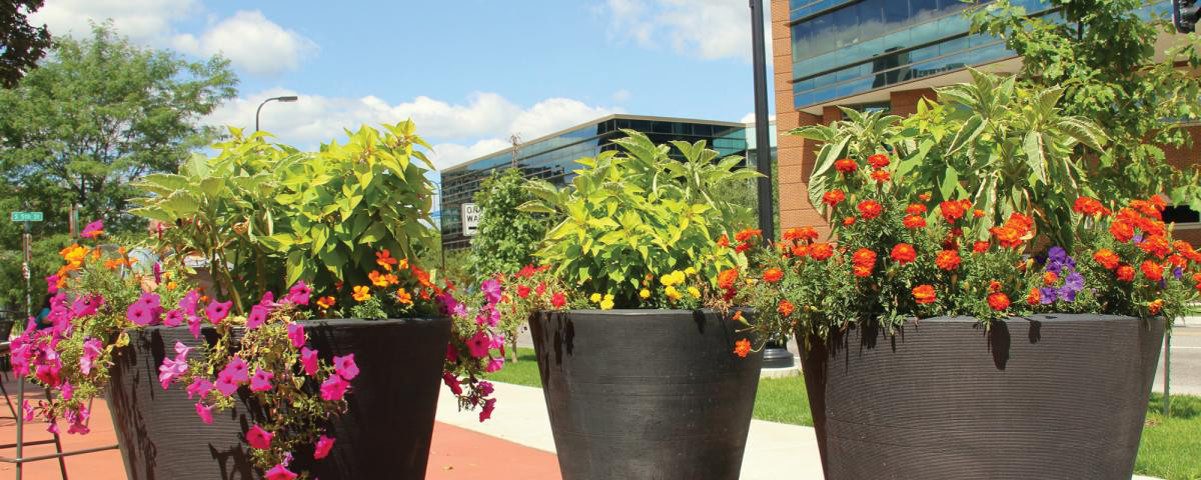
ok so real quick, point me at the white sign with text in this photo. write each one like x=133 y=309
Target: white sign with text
x=471 y=219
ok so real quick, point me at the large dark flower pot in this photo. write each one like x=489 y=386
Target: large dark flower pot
x=645 y=393
x=1046 y=397
x=386 y=433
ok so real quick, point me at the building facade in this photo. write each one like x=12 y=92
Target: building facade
x=884 y=55
x=552 y=158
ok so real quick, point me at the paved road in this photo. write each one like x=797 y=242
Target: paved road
x=1186 y=362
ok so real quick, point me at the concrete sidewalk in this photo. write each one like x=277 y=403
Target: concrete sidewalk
x=773 y=450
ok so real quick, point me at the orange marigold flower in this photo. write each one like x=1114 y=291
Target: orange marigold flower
x=925 y=197
x=362 y=293
x=1121 y=231
x=325 y=302
x=1034 y=297
x=980 y=247
x=998 y=301
x=1006 y=236
x=1125 y=273
x=1153 y=271
x=951 y=211
x=947 y=260
x=786 y=308
x=742 y=348
x=800 y=251
x=914 y=221
x=994 y=286
x=1156 y=245
x=1089 y=206
x=848 y=221
x=1049 y=278
x=724 y=241
x=924 y=294
x=864 y=262
x=916 y=209
x=821 y=251
x=834 y=197
x=1178 y=261
x=878 y=160
x=1150 y=207
x=747 y=235
x=403 y=296
x=384 y=259
x=1197 y=281
x=977 y=213
x=377 y=279
x=727 y=278
x=904 y=253
x=773 y=275
x=1155 y=307
x=881 y=176
x=1106 y=258
x=870 y=209
x=846 y=166
x=800 y=234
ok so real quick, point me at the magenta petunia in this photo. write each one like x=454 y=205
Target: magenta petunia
x=173 y=317
x=486 y=412
x=194 y=326
x=171 y=369
x=299 y=293
x=66 y=391
x=452 y=382
x=139 y=314
x=484 y=388
x=495 y=364
x=479 y=344
x=91 y=352
x=239 y=369
x=334 y=388
x=296 y=334
x=190 y=302
x=217 y=311
x=257 y=317
x=200 y=386
x=261 y=381
x=451 y=354
x=308 y=359
x=279 y=472
x=268 y=301
x=345 y=367
x=205 y=412
x=94 y=229
x=52 y=284
x=49 y=374
x=86 y=305
x=226 y=383
x=150 y=300
x=259 y=438
x=324 y=444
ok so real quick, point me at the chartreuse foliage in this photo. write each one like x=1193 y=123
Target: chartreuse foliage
x=508 y=236
x=1008 y=147
x=638 y=214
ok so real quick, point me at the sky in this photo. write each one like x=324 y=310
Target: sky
x=470 y=73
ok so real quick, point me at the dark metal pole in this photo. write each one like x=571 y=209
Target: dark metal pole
x=762 y=128
x=1167 y=371
x=285 y=98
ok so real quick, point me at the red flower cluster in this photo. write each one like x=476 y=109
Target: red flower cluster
x=834 y=197
x=878 y=161
x=924 y=294
x=1091 y=207
x=870 y=209
x=904 y=253
x=1014 y=232
x=998 y=301
x=863 y=261
x=948 y=260
x=953 y=211
x=846 y=166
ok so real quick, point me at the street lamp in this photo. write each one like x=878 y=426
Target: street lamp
x=285 y=98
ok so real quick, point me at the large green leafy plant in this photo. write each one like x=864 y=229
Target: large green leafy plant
x=636 y=218
x=1009 y=148
x=508 y=236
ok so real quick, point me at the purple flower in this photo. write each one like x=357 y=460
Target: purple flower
x=334 y=388
x=258 y=316
x=205 y=412
x=91 y=352
x=1177 y=272
x=491 y=289
x=296 y=334
x=217 y=311
x=199 y=386
x=77 y=420
x=345 y=367
x=450 y=306
x=308 y=358
x=299 y=293
x=261 y=381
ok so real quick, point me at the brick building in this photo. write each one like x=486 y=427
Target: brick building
x=886 y=54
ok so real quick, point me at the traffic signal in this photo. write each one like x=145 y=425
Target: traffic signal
x=1185 y=14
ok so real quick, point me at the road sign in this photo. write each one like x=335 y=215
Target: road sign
x=471 y=219
x=27 y=216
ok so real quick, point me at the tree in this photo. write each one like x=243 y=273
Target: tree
x=507 y=237
x=96 y=114
x=1103 y=55
x=21 y=44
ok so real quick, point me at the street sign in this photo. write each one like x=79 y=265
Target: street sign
x=471 y=219
x=27 y=216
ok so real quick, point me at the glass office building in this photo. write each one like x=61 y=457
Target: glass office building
x=842 y=48
x=552 y=158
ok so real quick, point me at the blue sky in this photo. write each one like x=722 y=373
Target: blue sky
x=469 y=72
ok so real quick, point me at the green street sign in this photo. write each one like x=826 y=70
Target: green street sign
x=27 y=216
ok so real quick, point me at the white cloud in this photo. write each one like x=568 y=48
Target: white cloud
x=143 y=21
x=459 y=131
x=251 y=42
x=750 y=117
x=709 y=29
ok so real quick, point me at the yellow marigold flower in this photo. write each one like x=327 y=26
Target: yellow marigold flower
x=325 y=302
x=171 y=285
x=694 y=292
x=672 y=293
x=645 y=294
x=596 y=298
x=362 y=293
x=609 y=296
x=690 y=271
x=607 y=303
x=377 y=279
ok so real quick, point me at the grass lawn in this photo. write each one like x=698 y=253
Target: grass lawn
x=1170 y=449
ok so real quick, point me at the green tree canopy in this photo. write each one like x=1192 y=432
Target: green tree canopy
x=1104 y=56
x=507 y=237
x=96 y=114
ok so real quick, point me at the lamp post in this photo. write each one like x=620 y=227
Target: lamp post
x=285 y=98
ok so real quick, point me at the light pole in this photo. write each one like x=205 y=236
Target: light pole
x=285 y=98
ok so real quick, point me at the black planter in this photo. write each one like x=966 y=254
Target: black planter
x=386 y=433
x=645 y=393
x=1046 y=397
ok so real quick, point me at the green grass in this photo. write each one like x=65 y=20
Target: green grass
x=1170 y=449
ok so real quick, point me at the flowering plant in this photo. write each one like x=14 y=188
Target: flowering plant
x=898 y=257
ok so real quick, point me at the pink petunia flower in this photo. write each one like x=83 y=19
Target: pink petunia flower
x=485 y=388
x=49 y=375
x=194 y=326
x=296 y=334
x=77 y=420
x=452 y=382
x=86 y=305
x=91 y=352
x=94 y=229
x=345 y=367
x=139 y=314
x=299 y=293
x=52 y=284
x=150 y=300
x=200 y=386
x=261 y=381
x=217 y=311
x=66 y=391
x=256 y=318
x=190 y=302
x=495 y=364
x=173 y=318
x=226 y=383
x=479 y=344
x=451 y=354
x=239 y=369
x=170 y=370
x=334 y=388
x=268 y=301
x=279 y=472
x=324 y=444
x=486 y=412
x=308 y=358
x=259 y=438
x=205 y=412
